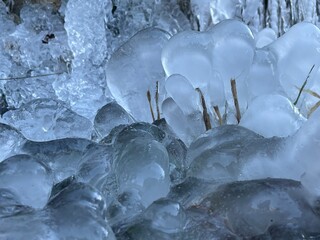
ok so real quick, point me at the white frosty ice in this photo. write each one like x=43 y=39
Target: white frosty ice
x=272 y=115
x=209 y=60
x=295 y=53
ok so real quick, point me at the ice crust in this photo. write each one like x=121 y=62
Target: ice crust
x=82 y=158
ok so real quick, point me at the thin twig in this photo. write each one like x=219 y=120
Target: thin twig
x=25 y=77
x=303 y=85
x=157 y=100
x=217 y=111
x=150 y=105
x=235 y=99
x=315 y=107
x=206 y=117
x=313 y=93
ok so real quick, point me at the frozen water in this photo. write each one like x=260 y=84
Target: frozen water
x=134 y=69
x=218 y=138
x=201 y=10
x=85 y=86
x=251 y=207
x=10 y=141
x=29 y=179
x=188 y=127
x=192 y=191
x=10 y=204
x=129 y=17
x=183 y=93
x=143 y=166
x=277 y=14
x=233 y=37
x=108 y=117
x=177 y=151
x=23 y=59
x=188 y=54
x=6 y=24
x=163 y=219
x=141 y=162
x=218 y=159
x=265 y=37
x=141 y=179
x=166 y=215
x=293 y=60
x=96 y=170
x=303 y=148
x=30 y=225
x=81 y=204
x=86 y=31
x=208 y=61
x=272 y=115
x=245 y=10
x=47 y=119
x=262 y=77
x=21 y=92
x=64 y=156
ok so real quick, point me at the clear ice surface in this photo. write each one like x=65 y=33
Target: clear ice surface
x=251 y=207
x=141 y=162
x=171 y=179
x=293 y=60
x=63 y=156
x=28 y=178
x=108 y=117
x=10 y=141
x=272 y=115
x=134 y=69
x=47 y=119
x=81 y=204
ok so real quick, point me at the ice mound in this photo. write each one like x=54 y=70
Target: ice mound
x=293 y=61
x=29 y=179
x=142 y=163
x=251 y=207
x=272 y=115
x=10 y=141
x=134 y=69
x=47 y=119
x=108 y=117
x=64 y=156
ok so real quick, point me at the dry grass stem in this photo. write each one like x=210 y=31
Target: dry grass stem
x=150 y=105
x=157 y=100
x=206 y=117
x=313 y=108
x=235 y=99
x=217 y=111
x=26 y=77
x=303 y=85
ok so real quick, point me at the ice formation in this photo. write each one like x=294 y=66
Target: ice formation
x=165 y=119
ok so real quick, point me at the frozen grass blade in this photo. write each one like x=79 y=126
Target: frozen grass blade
x=150 y=105
x=235 y=99
x=313 y=108
x=157 y=100
x=310 y=92
x=303 y=85
x=206 y=117
x=217 y=111
x=26 y=77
